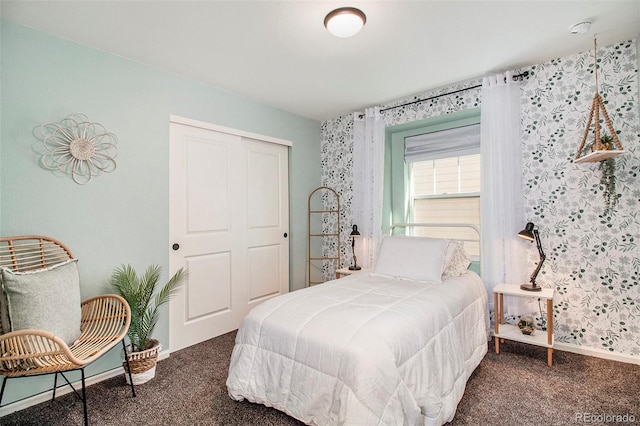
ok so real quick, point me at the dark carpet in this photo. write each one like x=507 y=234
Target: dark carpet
x=513 y=388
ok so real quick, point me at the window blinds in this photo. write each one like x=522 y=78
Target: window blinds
x=453 y=142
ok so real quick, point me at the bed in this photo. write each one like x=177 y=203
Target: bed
x=391 y=347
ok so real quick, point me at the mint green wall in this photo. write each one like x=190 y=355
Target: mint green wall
x=122 y=217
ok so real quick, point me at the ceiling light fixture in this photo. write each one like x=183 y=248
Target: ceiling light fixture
x=345 y=21
x=580 y=28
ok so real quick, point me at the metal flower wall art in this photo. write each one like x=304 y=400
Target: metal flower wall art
x=78 y=147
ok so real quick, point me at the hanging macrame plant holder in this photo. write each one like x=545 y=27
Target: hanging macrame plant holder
x=599 y=150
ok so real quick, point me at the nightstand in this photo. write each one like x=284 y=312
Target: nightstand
x=346 y=271
x=512 y=332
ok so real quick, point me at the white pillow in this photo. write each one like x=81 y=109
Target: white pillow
x=413 y=258
x=451 y=251
x=458 y=260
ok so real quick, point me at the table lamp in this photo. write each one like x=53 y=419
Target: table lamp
x=353 y=235
x=530 y=232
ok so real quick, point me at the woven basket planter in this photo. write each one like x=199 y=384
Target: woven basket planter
x=143 y=364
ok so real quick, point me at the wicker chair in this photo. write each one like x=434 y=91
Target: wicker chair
x=105 y=321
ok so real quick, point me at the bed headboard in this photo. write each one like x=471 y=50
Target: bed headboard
x=469 y=234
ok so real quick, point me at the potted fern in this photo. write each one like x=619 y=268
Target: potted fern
x=145 y=299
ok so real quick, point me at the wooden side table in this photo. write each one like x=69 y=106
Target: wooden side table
x=346 y=271
x=512 y=332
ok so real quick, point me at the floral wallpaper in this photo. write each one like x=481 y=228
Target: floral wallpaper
x=336 y=164
x=593 y=259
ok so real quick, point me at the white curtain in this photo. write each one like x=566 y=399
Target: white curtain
x=502 y=204
x=368 y=183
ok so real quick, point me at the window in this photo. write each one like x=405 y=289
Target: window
x=447 y=190
x=444 y=180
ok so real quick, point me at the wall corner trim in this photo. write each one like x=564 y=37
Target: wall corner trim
x=598 y=353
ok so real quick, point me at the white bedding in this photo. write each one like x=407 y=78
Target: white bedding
x=363 y=350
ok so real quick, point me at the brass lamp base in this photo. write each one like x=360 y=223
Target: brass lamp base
x=530 y=287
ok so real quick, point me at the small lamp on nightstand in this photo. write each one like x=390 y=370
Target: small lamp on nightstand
x=353 y=235
x=530 y=232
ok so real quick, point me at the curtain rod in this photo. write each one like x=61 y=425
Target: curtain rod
x=515 y=78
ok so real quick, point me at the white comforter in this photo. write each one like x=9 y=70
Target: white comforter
x=363 y=350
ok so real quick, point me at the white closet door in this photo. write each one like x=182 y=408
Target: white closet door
x=267 y=221
x=228 y=205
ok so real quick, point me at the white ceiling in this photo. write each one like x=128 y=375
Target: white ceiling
x=278 y=52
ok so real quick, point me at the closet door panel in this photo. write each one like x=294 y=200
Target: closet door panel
x=206 y=208
x=268 y=220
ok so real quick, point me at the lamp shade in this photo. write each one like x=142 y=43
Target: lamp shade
x=345 y=21
x=527 y=232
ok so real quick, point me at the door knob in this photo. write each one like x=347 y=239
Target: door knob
x=175 y=246
x=285 y=235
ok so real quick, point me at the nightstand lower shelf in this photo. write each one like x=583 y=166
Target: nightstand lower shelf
x=512 y=332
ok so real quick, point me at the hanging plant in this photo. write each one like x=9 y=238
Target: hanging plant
x=608 y=169
x=604 y=147
x=608 y=178
x=601 y=149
